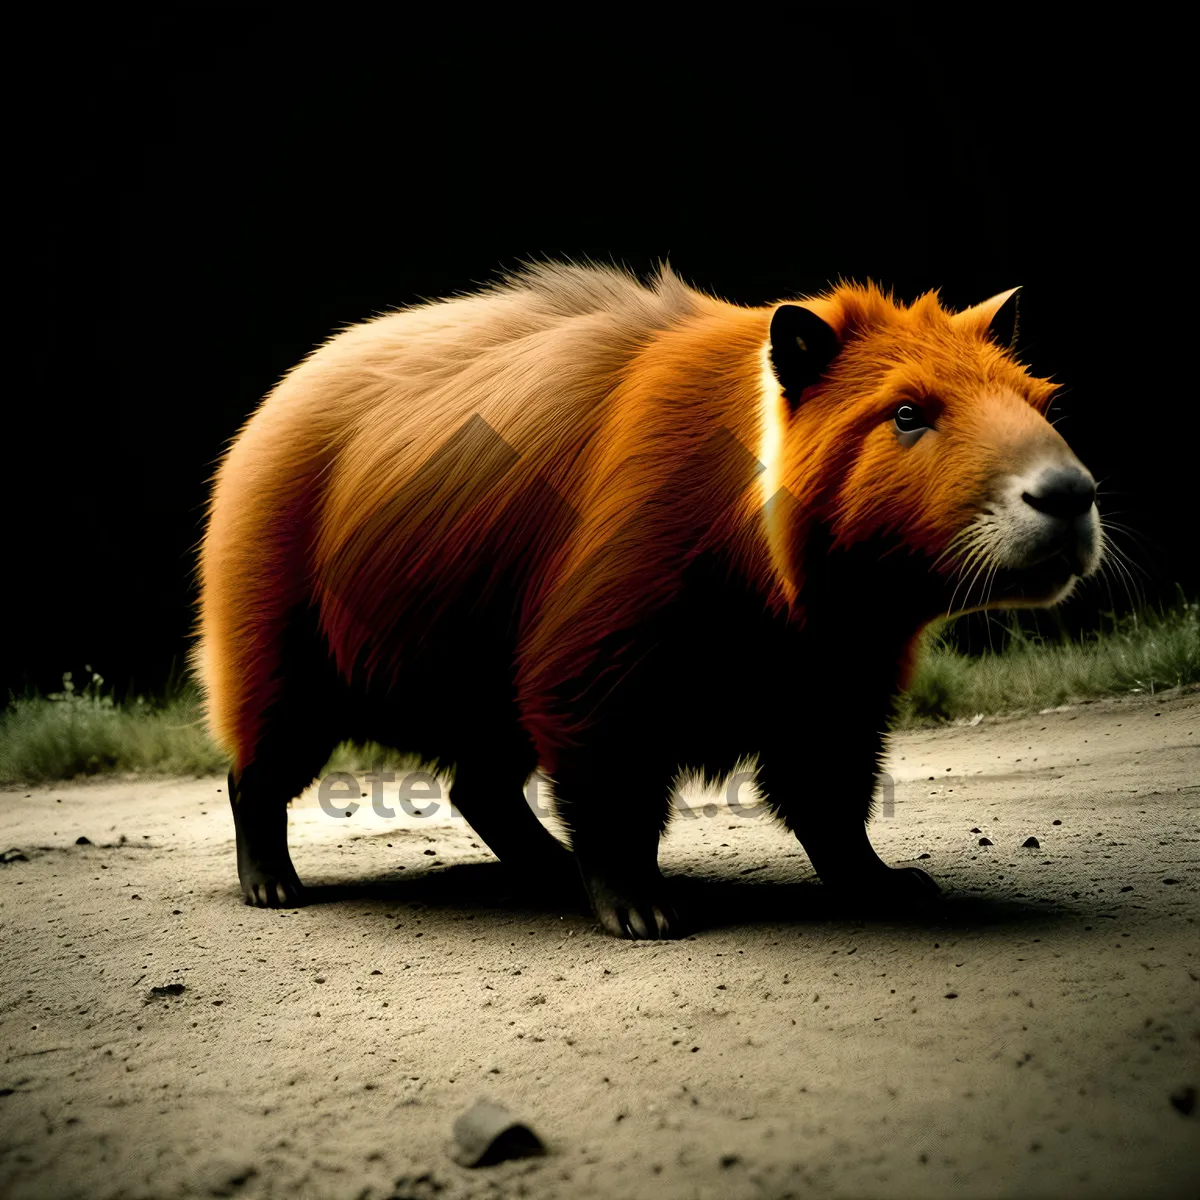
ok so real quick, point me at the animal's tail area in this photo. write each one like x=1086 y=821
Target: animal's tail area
x=254 y=571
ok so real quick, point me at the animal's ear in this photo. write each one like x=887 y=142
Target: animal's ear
x=802 y=347
x=995 y=318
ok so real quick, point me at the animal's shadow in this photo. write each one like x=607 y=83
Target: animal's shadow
x=489 y=888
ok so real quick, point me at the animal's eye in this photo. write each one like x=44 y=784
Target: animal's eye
x=910 y=418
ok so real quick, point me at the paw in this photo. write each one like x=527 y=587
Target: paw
x=547 y=869
x=893 y=887
x=639 y=913
x=908 y=884
x=267 y=889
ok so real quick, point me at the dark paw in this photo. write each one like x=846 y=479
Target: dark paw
x=266 y=889
x=895 y=887
x=640 y=913
x=910 y=881
x=551 y=872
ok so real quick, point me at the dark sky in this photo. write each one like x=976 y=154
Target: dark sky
x=213 y=192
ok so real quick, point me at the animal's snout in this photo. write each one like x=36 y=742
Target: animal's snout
x=1063 y=491
x=1046 y=520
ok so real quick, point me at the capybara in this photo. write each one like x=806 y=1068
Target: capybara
x=616 y=531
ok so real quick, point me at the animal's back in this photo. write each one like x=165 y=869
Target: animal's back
x=365 y=485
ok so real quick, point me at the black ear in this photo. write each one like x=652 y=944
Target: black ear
x=802 y=347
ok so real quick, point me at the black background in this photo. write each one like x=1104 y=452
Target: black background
x=212 y=192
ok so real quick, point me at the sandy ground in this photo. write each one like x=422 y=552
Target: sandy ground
x=1025 y=1039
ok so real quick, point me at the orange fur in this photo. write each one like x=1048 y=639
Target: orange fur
x=558 y=450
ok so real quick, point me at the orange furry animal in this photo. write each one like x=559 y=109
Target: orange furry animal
x=615 y=531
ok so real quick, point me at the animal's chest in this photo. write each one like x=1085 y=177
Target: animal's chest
x=718 y=678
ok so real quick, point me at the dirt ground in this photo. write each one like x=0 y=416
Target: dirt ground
x=1036 y=1035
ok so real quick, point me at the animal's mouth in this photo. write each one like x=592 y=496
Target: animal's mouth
x=1040 y=582
x=1048 y=567
x=1038 y=535
x=1037 y=571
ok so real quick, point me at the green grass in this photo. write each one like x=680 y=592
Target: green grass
x=84 y=731
x=1144 y=653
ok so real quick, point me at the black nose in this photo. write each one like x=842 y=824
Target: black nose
x=1062 y=492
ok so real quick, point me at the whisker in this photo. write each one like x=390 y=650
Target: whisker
x=981 y=563
x=1113 y=566
x=963 y=535
x=1118 y=561
x=971 y=567
x=1113 y=547
x=965 y=561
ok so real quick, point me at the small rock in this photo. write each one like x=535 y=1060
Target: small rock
x=1055 y=822
x=951 y=996
x=431 y=852
x=920 y=856
x=1031 y=844
x=1170 y=881
x=976 y=830
x=168 y=989
x=1184 y=1100
x=12 y=856
x=986 y=842
x=83 y=841
x=488 y=1133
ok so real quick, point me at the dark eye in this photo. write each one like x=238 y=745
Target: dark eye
x=910 y=418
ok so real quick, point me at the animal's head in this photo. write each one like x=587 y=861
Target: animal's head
x=917 y=429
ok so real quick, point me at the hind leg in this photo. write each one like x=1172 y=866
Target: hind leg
x=616 y=852
x=264 y=866
x=288 y=755
x=284 y=731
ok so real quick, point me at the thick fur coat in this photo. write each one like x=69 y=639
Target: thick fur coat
x=616 y=531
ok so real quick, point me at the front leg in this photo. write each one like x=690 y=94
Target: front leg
x=489 y=795
x=828 y=812
x=842 y=855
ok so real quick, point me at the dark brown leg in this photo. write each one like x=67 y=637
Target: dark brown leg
x=828 y=812
x=264 y=865
x=616 y=849
x=491 y=800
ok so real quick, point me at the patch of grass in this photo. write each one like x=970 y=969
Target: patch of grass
x=84 y=731
x=1141 y=653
